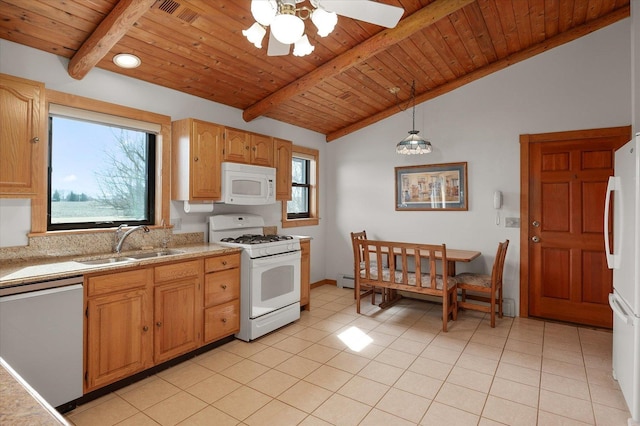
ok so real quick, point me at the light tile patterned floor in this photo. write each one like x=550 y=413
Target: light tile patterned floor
x=523 y=372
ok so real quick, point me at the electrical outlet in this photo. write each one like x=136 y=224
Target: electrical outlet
x=512 y=222
x=177 y=224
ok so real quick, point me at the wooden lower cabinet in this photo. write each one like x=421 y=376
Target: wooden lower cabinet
x=139 y=318
x=221 y=297
x=177 y=313
x=119 y=315
x=305 y=274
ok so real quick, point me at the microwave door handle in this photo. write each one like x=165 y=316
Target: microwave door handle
x=270 y=190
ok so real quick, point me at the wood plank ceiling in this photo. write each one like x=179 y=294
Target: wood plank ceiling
x=345 y=84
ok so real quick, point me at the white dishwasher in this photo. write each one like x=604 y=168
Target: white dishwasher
x=41 y=336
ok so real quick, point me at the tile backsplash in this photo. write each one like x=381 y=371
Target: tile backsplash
x=79 y=244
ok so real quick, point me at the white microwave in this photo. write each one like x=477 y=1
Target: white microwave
x=248 y=185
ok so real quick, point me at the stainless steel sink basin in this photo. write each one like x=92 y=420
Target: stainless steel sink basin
x=161 y=253
x=106 y=261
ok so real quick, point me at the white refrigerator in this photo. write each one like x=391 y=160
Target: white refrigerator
x=623 y=256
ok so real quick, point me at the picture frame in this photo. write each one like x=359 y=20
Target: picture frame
x=432 y=187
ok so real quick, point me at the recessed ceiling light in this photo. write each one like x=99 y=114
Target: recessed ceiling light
x=126 y=60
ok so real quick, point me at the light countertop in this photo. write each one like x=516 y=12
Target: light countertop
x=15 y=273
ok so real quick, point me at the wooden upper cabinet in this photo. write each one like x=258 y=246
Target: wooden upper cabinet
x=196 y=157
x=23 y=138
x=248 y=148
x=261 y=150
x=236 y=145
x=283 y=154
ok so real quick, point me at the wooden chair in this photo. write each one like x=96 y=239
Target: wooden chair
x=485 y=288
x=365 y=290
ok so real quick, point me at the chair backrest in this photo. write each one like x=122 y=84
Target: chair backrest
x=498 y=264
x=357 y=254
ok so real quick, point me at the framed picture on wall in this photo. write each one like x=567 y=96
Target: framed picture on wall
x=432 y=187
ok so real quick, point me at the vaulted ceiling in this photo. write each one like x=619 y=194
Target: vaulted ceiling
x=356 y=76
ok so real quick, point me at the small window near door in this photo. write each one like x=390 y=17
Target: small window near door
x=302 y=209
x=100 y=175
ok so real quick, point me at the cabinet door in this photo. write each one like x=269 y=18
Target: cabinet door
x=177 y=319
x=261 y=150
x=305 y=274
x=206 y=149
x=119 y=340
x=283 y=152
x=22 y=138
x=236 y=146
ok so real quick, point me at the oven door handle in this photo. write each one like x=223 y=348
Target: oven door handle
x=277 y=258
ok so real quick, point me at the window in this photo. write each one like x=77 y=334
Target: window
x=101 y=173
x=302 y=209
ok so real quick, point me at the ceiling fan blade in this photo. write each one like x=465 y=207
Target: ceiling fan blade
x=365 y=10
x=275 y=48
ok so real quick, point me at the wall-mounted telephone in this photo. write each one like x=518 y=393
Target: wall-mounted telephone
x=497 y=200
x=497 y=204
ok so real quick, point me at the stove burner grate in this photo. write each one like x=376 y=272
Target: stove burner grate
x=256 y=239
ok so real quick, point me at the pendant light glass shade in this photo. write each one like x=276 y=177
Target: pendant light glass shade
x=302 y=47
x=414 y=143
x=255 y=34
x=324 y=21
x=264 y=11
x=287 y=28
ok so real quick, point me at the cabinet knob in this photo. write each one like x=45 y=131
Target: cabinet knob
x=224 y=286
x=35 y=140
x=246 y=147
x=145 y=328
x=159 y=323
x=224 y=263
x=195 y=159
x=224 y=320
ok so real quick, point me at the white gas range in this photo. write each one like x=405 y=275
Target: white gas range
x=270 y=272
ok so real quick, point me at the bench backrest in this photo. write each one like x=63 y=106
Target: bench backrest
x=368 y=254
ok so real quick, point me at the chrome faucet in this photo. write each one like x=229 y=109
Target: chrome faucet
x=121 y=235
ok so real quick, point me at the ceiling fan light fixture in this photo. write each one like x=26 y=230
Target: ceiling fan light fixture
x=302 y=47
x=255 y=34
x=324 y=21
x=287 y=28
x=264 y=11
x=127 y=60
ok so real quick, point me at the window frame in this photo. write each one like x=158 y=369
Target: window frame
x=150 y=170
x=163 y=159
x=313 y=155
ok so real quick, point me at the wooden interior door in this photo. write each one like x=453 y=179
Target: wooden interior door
x=562 y=237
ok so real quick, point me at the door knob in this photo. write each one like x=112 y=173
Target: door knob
x=536 y=224
x=535 y=239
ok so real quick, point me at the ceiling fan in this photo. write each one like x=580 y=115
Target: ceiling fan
x=285 y=18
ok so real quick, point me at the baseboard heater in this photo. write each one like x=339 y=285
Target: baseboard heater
x=345 y=281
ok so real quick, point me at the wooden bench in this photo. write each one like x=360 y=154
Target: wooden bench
x=378 y=269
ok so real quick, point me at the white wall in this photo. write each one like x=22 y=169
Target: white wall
x=581 y=85
x=36 y=65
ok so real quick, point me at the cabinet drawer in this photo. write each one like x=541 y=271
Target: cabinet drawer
x=220 y=287
x=220 y=263
x=177 y=271
x=221 y=321
x=119 y=281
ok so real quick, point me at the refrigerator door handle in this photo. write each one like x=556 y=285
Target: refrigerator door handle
x=613 y=259
x=619 y=310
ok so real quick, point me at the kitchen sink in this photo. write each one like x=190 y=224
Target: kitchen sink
x=161 y=253
x=106 y=261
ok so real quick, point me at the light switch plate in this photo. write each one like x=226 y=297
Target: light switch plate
x=512 y=222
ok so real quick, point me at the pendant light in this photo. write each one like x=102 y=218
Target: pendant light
x=413 y=144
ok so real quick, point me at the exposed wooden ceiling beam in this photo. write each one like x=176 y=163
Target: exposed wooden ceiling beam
x=109 y=32
x=405 y=28
x=560 y=39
